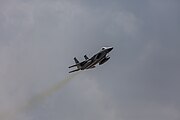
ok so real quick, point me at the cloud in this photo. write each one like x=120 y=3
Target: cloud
x=38 y=40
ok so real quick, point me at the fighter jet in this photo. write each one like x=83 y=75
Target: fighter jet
x=101 y=57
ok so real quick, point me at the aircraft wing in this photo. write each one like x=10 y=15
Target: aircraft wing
x=97 y=56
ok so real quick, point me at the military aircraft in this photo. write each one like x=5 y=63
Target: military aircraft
x=101 y=57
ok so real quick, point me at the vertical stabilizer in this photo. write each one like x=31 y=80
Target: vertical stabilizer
x=86 y=58
x=76 y=61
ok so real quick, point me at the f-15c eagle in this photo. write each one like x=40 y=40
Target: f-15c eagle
x=101 y=57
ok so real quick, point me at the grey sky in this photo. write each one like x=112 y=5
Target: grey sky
x=141 y=81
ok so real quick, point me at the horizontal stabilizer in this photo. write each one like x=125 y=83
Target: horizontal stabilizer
x=77 y=63
x=74 y=70
x=72 y=66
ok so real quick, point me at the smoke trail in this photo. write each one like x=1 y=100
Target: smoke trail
x=40 y=97
x=11 y=115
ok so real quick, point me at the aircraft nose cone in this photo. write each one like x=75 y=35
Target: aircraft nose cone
x=110 y=49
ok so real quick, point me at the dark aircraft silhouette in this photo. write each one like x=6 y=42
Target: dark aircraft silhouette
x=101 y=57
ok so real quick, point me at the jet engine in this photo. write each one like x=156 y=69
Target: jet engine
x=104 y=60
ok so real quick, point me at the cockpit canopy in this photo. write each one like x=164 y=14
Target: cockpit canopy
x=103 y=48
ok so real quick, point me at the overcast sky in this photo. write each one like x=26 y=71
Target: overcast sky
x=39 y=38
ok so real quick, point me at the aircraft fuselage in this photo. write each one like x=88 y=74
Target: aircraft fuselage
x=100 y=58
